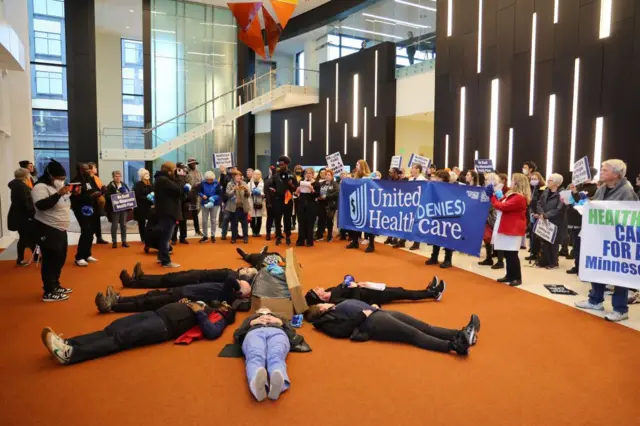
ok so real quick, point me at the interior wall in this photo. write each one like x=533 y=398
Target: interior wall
x=263 y=147
x=414 y=135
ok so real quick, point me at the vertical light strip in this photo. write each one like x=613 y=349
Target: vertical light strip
x=532 y=75
x=301 y=142
x=463 y=106
x=510 y=163
x=345 y=138
x=450 y=18
x=310 y=123
x=446 y=151
x=597 y=154
x=477 y=154
x=375 y=87
x=493 y=123
x=364 y=157
x=337 y=88
x=375 y=156
x=356 y=104
x=555 y=11
x=286 y=137
x=574 y=113
x=551 y=135
x=605 y=18
x=479 y=36
x=326 y=130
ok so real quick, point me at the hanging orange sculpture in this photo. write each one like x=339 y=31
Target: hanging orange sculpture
x=251 y=34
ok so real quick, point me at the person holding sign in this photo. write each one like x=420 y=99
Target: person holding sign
x=307 y=207
x=117 y=217
x=574 y=218
x=511 y=224
x=615 y=187
x=550 y=207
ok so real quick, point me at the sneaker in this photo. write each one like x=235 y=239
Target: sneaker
x=472 y=329
x=264 y=250
x=318 y=238
x=114 y=245
x=102 y=242
x=204 y=239
x=431 y=261
x=616 y=316
x=92 y=259
x=54 y=296
x=103 y=305
x=498 y=265
x=245 y=240
x=137 y=271
x=171 y=265
x=125 y=278
x=268 y=237
x=63 y=290
x=585 y=304
x=258 y=385
x=82 y=263
x=329 y=239
x=112 y=296
x=440 y=290
x=56 y=346
x=504 y=279
x=278 y=241
x=310 y=244
x=21 y=263
x=184 y=241
x=276 y=385
x=213 y=239
x=199 y=234
x=487 y=262
x=433 y=284
x=399 y=244
x=233 y=241
x=461 y=343
x=634 y=297
x=288 y=241
x=223 y=238
x=241 y=252
x=573 y=271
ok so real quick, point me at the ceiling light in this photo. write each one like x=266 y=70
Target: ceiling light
x=219 y=41
x=163 y=31
x=204 y=54
x=408 y=3
x=605 y=18
x=373 y=21
x=155 y=12
x=131 y=10
x=371 y=32
x=212 y=24
x=409 y=24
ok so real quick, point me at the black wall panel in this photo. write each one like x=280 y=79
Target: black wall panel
x=380 y=129
x=609 y=80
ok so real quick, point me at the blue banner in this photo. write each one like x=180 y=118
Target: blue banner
x=448 y=215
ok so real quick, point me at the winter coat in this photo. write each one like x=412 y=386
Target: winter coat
x=258 y=207
x=514 y=209
x=21 y=211
x=144 y=205
x=111 y=190
x=551 y=206
x=213 y=192
x=168 y=196
x=237 y=197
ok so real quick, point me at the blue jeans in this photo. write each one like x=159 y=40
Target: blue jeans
x=619 y=299
x=167 y=226
x=266 y=347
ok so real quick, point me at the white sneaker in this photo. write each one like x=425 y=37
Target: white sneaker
x=82 y=263
x=276 y=384
x=616 y=316
x=91 y=259
x=57 y=346
x=171 y=265
x=585 y=304
x=258 y=385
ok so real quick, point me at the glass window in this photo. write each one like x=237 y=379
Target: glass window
x=355 y=43
x=132 y=52
x=43 y=156
x=347 y=51
x=50 y=129
x=334 y=39
x=334 y=52
x=48 y=44
x=300 y=69
x=132 y=92
x=49 y=81
x=49 y=7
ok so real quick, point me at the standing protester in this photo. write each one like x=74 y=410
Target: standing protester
x=82 y=204
x=493 y=180
x=168 y=200
x=588 y=190
x=537 y=188
x=51 y=200
x=307 y=208
x=210 y=198
x=142 y=188
x=21 y=213
x=181 y=180
x=223 y=179
x=472 y=178
x=416 y=175
x=249 y=176
x=268 y=201
x=327 y=204
x=238 y=206
x=32 y=173
x=394 y=174
x=615 y=187
x=283 y=185
x=550 y=207
x=529 y=168
x=256 y=187
x=194 y=178
x=362 y=172
x=440 y=176
x=117 y=218
x=298 y=171
x=511 y=224
x=99 y=203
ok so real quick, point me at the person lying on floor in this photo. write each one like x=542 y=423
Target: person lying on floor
x=179 y=279
x=373 y=293
x=360 y=322
x=262 y=259
x=227 y=291
x=266 y=340
x=172 y=321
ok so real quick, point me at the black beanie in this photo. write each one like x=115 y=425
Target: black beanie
x=312 y=298
x=285 y=159
x=594 y=172
x=55 y=169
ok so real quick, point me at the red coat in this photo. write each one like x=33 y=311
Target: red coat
x=195 y=333
x=514 y=214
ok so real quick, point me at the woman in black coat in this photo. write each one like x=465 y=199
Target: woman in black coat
x=21 y=212
x=142 y=188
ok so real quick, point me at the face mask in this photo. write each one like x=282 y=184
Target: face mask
x=525 y=172
x=298 y=173
x=534 y=182
x=58 y=184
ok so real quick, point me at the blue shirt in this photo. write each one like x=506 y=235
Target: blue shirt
x=352 y=307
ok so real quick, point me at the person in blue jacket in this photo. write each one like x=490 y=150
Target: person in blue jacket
x=210 y=199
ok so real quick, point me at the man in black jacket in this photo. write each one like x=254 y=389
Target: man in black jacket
x=283 y=185
x=574 y=219
x=21 y=213
x=180 y=176
x=168 y=199
x=368 y=293
x=268 y=200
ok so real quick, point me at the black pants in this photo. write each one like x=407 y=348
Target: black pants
x=182 y=278
x=294 y=212
x=269 y=221
x=146 y=328
x=355 y=236
x=95 y=226
x=282 y=213
x=53 y=246
x=448 y=254
x=256 y=225
x=25 y=240
x=392 y=326
x=239 y=217
x=323 y=221
x=182 y=225
x=549 y=254
x=307 y=210
x=149 y=301
x=514 y=271
x=394 y=294
x=142 y=223
x=196 y=220
x=86 y=235
x=167 y=226
x=575 y=236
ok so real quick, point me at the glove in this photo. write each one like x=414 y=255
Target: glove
x=152 y=197
x=87 y=211
x=348 y=279
x=256 y=191
x=187 y=187
x=123 y=190
x=499 y=194
x=209 y=205
x=583 y=196
x=489 y=190
x=275 y=269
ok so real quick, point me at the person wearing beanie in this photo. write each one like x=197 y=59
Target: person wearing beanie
x=169 y=322
x=52 y=206
x=21 y=211
x=83 y=207
x=373 y=293
x=361 y=322
x=142 y=189
x=168 y=202
x=225 y=291
x=282 y=187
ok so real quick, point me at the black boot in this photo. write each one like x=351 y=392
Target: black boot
x=389 y=240
x=489 y=260
x=371 y=248
x=353 y=244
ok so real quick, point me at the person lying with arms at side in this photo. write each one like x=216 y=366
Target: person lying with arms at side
x=266 y=340
x=173 y=321
x=361 y=322
x=180 y=279
x=373 y=293
x=207 y=292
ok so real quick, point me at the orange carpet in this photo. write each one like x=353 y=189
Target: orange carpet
x=537 y=362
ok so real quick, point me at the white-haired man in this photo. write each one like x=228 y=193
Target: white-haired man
x=550 y=207
x=615 y=187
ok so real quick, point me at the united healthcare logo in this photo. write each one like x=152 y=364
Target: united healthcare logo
x=358 y=206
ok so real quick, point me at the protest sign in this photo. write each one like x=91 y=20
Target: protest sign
x=396 y=161
x=223 y=159
x=546 y=230
x=334 y=162
x=581 y=171
x=122 y=202
x=419 y=159
x=484 y=166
